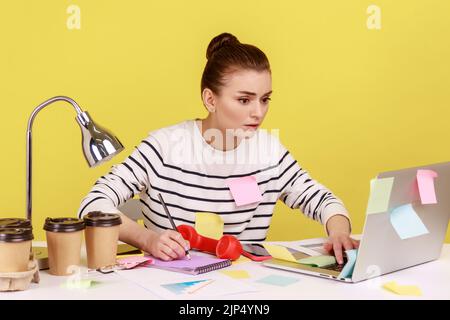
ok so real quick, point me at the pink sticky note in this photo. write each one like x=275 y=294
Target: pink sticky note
x=245 y=190
x=133 y=262
x=425 y=181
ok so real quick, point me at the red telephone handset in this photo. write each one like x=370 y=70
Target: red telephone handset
x=227 y=247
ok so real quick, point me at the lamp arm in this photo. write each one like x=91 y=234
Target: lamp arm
x=29 y=143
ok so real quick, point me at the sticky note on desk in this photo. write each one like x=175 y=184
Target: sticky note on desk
x=380 y=193
x=425 y=182
x=79 y=284
x=406 y=222
x=236 y=274
x=209 y=225
x=241 y=259
x=279 y=252
x=402 y=290
x=244 y=190
x=318 y=261
x=277 y=280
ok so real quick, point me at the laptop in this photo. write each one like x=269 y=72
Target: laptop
x=381 y=250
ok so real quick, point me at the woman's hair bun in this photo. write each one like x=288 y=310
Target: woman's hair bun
x=220 y=41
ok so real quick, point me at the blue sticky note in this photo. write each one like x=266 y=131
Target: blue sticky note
x=407 y=223
x=347 y=271
x=276 y=280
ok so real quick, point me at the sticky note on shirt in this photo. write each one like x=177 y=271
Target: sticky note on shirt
x=425 y=182
x=209 y=225
x=276 y=280
x=244 y=190
x=406 y=222
x=318 y=261
x=380 y=193
x=347 y=271
x=402 y=290
x=279 y=252
x=236 y=274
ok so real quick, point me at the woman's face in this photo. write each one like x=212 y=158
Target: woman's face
x=243 y=101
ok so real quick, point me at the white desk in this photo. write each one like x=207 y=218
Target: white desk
x=433 y=278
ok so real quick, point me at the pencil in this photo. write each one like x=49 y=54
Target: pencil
x=174 y=227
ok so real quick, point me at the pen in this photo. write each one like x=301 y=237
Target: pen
x=174 y=227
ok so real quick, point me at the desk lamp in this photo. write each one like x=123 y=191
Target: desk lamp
x=99 y=145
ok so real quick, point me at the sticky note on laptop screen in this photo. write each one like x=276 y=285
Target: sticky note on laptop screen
x=425 y=182
x=380 y=193
x=407 y=223
x=245 y=190
x=209 y=225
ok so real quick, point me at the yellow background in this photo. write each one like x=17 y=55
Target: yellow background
x=350 y=102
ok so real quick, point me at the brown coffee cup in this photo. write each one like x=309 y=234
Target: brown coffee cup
x=64 y=236
x=15 y=248
x=15 y=223
x=102 y=235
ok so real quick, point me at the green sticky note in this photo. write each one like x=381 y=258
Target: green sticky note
x=380 y=193
x=318 y=261
x=79 y=284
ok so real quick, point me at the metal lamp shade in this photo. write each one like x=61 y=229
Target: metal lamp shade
x=99 y=144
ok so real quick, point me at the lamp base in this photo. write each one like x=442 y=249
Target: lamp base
x=41 y=255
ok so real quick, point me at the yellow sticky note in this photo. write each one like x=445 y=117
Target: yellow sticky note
x=236 y=274
x=209 y=225
x=241 y=259
x=402 y=290
x=279 y=252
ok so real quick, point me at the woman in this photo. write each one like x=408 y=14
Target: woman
x=192 y=164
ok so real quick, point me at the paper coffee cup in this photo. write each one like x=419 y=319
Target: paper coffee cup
x=64 y=237
x=102 y=235
x=15 y=247
x=15 y=223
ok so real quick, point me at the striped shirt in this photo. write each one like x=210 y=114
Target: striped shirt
x=192 y=177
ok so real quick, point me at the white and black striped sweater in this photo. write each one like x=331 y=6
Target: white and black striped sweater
x=191 y=175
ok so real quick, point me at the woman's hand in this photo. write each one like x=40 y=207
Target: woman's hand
x=338 y=227
x=168 y=245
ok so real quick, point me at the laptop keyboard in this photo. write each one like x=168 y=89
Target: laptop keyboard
x=335 y=267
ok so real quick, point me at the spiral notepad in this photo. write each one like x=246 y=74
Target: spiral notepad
x=196 y=265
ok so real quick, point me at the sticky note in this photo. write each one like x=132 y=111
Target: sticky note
x=241 y=259
x=380 y=193
x=244 y=190
x=406 y=222
x=403 y=290
x=134 y=261
x=425 y=182
x=236 y=274
x=78 y=284
x=318 y=261
x=347 y=271
x=276 y=280
x=209 y=225
x=279 y=252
